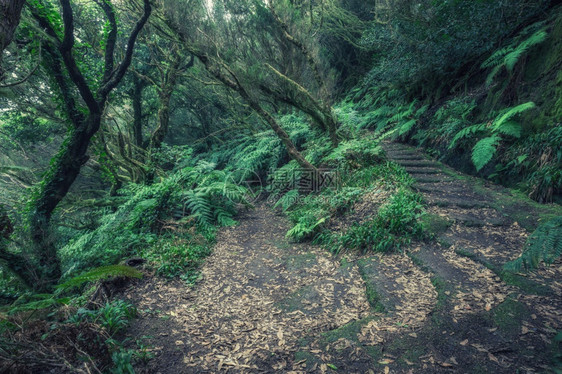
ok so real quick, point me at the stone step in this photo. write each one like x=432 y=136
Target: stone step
x=416 y=163
x=417 y=170
x=460 y=203
x=405 y=158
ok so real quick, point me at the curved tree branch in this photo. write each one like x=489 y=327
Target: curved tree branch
x=122 y=68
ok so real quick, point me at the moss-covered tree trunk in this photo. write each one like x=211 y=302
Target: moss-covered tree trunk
x=66 y=165
x=136 y=96
x=234 y=84
x=53 y=189
x=165 y=92
x=10 y=12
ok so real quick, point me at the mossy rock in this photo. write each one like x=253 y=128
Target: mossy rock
x=434 y=224
x=509 y=316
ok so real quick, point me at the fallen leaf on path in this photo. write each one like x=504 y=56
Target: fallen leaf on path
x=493 y=358
x=386 y=362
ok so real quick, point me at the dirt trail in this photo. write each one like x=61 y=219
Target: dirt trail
x=490 y=320
x=266 y=305
x=258 y=297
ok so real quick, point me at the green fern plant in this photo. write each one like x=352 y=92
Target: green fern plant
x=509 y=56
x=503 y=125
x=406 y=127
x=199 y=206
x=29 y=303
x=504 y=121
x=484 y=151
x=306 y=227
x=287 y=200
x=545 y=244
x=402 y=122
x=465 y=133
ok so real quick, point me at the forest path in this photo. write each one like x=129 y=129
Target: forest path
x=258 y=297
x=265 y=305
x=486 y=320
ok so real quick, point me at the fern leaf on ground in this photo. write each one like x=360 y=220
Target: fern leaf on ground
x=545 y=244
x=102 y=272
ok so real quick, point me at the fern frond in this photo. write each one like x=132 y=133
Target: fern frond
x=199 y=206
x=404 y=112
x=421 y=111
x=102 y=272
x=511 y=128
x=484 y=150
x=545 y=244
x=224 y=217
x=407 y=127
x=204 y=167
x=388 y=134
x=509 y=113
x=513 y=57
x=287 y=200
x=305 y=228
x=492 y=74
x=466 y=132
x=510 y=55
x=36 y=302
x=496 y=59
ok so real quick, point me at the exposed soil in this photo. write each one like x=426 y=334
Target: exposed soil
x=266 y=305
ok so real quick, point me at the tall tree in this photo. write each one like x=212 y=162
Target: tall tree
x=85 y=121
x=209 y=49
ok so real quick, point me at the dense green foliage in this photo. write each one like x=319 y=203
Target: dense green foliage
x=394 y=226
x=214 y=105
x=205 y=195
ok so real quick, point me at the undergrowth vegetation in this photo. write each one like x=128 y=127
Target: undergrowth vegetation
x=147 y=172
x=186 y=204
x=359 y=173
x=393 y=227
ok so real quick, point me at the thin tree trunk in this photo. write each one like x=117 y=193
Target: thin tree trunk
x=138 y=87
x=10 y=13
x=165 y=92
x=165 y=96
